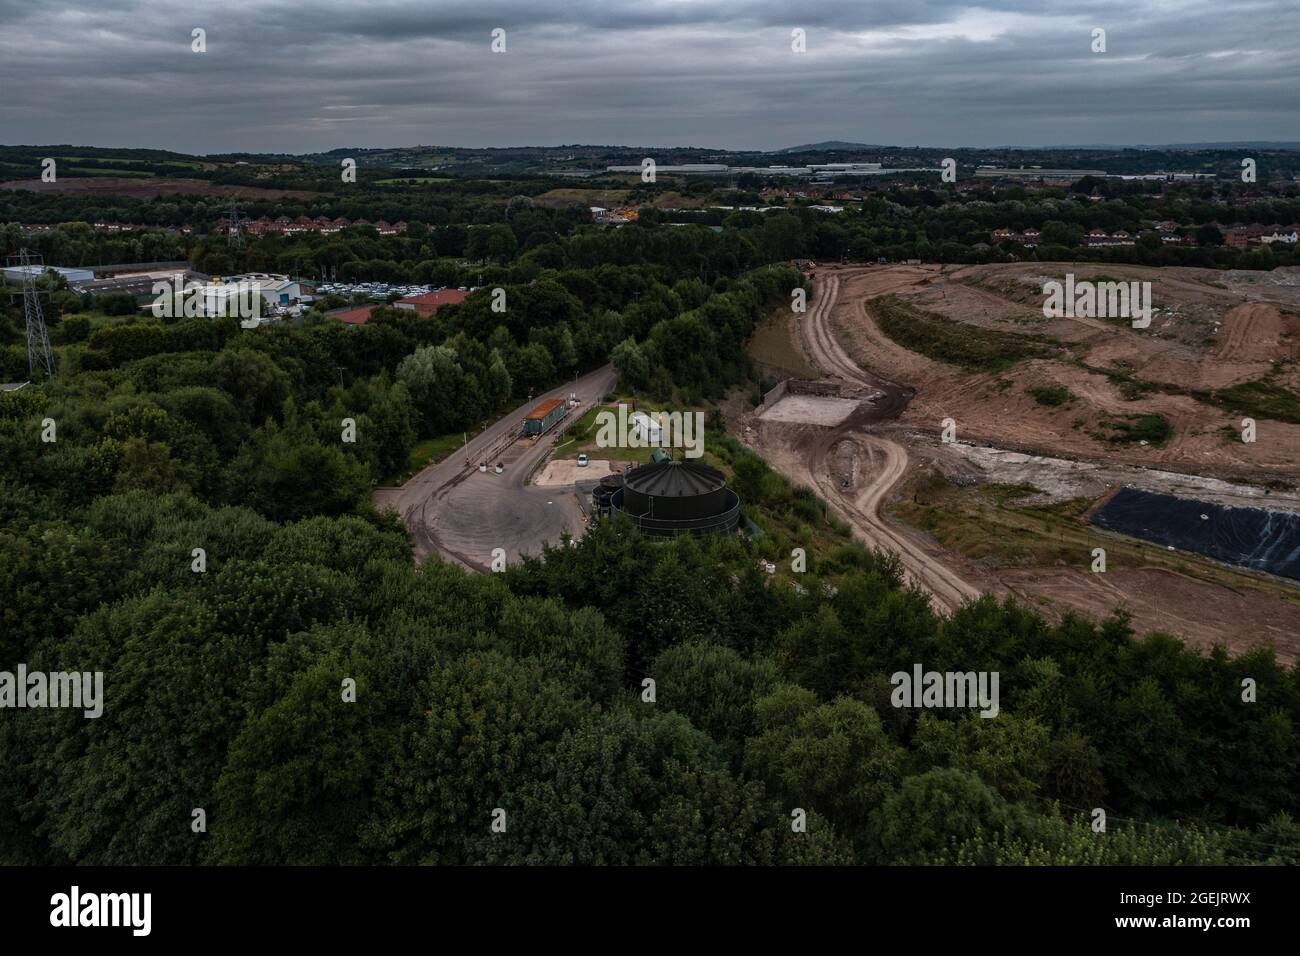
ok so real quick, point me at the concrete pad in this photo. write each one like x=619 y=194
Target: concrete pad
x=810 y=410
x=479 y=516
x=565 y=471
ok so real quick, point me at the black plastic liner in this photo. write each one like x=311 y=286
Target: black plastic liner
x=1250 y=537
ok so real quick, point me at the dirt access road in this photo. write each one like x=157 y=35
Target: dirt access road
x=463 y=515
x=853 y=469
x=861 y=465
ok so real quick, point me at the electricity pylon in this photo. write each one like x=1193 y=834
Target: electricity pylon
x=234 y=226
x=39 y=353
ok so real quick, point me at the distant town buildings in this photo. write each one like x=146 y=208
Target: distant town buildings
x=613 y=217
x=1240 y=236
x=1066 y=176
x=721 y=169
x=255 y=227
x=1094 y=237
x=1099 y=237
x=279 y=294
x=1288 y=236
x=36 y=228
x=1028 y=237
x=321 y=224
x=1236 y=236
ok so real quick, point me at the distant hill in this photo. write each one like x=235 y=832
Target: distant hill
x=830 y=146
x=1244 y=144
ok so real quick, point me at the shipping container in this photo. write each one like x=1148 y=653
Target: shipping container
x=543 y=418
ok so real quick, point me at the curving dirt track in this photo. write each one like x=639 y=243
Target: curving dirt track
x=884 y=464
x=861 y=465
x=1251 y=333
x=855 y=470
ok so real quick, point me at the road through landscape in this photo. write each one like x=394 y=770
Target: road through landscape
x=463 y=515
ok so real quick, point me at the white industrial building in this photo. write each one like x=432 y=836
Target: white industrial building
x=276 y=290
x=686 y=169
x=16 y=274
x=254 y=296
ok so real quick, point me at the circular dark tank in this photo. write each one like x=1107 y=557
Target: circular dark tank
x=601 y=494
x=670 y=497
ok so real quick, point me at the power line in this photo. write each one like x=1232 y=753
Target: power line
x=39 y=353
x=234 y=226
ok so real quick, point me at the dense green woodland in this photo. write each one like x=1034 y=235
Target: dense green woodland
x=622 y=281
x=462 y=227
x=524 y=690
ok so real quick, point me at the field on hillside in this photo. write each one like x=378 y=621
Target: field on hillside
x=143 y=187
x=561 y=198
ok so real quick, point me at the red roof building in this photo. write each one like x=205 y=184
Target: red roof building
x=357 y=316
x=429 y=303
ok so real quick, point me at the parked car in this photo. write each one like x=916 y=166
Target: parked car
x=582 y=461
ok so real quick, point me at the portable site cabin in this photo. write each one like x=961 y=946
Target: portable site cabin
x=543 y=418
x=645 y=428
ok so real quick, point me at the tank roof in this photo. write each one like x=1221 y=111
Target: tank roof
x=675 y=479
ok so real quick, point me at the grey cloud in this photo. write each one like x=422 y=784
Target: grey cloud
x=297 y=76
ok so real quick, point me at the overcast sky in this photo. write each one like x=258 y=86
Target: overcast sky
x=307 y=75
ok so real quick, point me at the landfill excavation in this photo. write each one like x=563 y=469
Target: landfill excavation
x=994 y=476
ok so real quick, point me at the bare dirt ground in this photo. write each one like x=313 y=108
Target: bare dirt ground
x=1210 y=330
x=855 y=471
x=1201 y=613
x=813 y=409
x=565 y=471
x=995 y=408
